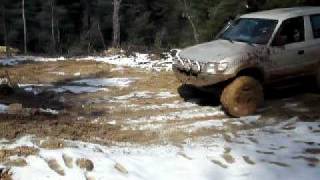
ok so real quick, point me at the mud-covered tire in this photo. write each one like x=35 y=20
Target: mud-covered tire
x=242 y=97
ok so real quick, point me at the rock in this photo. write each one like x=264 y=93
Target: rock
x=248 y=160
x=5 y=174
x=22 y=151
x=68 y=161
x=17 y=163
x=88 y=177
x=85 y=164
x=184 y=155
x=15 y=109
x=26 y=112
x=312 y=151
x=54 y=165
x=52 y=143
x=121 y=168
x=219 y=164
x=2 y=154
x=228 y=158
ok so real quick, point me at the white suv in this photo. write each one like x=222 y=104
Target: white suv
x=255 y=49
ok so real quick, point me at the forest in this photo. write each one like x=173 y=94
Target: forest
x=87 y=26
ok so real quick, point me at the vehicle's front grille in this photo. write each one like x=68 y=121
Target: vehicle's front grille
x=191 y=65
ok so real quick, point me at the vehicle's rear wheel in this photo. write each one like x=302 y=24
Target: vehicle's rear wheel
x=242 y=97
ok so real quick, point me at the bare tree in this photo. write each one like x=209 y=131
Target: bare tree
x=5 y=30
x=101 y=36
x=24 y=27
x=116 y=23
x=188 y=14
x=53 y=24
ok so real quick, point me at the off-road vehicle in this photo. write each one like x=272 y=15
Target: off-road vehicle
x=254 y=50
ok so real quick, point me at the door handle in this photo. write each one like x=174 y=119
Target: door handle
x=301 y=52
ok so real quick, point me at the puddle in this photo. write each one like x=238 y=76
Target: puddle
x=77 y=89
x=80 y=86
x=106 y=82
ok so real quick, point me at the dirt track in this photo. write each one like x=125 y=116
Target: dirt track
x=148 y=111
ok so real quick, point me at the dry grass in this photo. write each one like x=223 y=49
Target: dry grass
x=81 y=110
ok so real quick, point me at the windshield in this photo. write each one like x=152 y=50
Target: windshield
x=255 y=31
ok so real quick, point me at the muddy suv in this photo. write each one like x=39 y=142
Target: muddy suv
x=254 y=50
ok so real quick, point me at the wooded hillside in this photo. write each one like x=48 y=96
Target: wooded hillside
x=86 y=26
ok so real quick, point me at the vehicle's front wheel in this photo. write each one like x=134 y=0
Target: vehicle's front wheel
x=242 y=97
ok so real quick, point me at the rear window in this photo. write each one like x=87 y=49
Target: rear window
x=315 y=21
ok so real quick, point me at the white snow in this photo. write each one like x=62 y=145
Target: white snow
x=138 y=60
x=145 y=95
x=58 y=73
x=77 y=74
x=4 y=80
x=49 y=111
x=34 y=88
x=20 y=59
x=180 y=115
x=174 y=105
x=3 y=108
x=271 y=156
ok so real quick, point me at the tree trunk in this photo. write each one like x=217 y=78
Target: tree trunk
x=24 y=27
x=5 y=30
x=116 y=23
x=101 y=36
x=58 y=38
x=52 y=25
x=194 y=30
x=193 y=26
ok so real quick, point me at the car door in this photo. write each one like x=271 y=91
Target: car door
x=314 y=44
x=289 y=49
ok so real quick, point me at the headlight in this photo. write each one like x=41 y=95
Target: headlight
x=220 y=67
x=211 y=68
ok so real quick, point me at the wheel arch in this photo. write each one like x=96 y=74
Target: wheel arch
x=254 y=72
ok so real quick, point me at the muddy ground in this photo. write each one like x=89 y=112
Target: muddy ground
x=153 y=109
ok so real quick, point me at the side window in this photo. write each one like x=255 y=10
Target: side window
x=291 y=31
x=315 y=22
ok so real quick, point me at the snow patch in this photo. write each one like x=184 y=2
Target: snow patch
x=77 y=74
x=138 y=60
x=182 y=115
x=49 y=111
x=145 y=95
x=3 y=108
x=249 y=155
x=58 y=73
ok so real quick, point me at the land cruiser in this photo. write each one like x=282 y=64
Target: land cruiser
x=252 y=51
